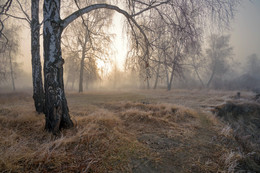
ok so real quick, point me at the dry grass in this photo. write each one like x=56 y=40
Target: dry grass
x=243 y=118
x=115 y=132
x=97 y=144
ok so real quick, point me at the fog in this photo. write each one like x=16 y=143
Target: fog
x=245 y=35
x=130 y=86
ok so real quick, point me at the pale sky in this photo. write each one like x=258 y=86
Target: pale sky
x=245 y=32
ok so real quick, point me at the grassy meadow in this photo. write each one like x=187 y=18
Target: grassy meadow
x=124 y=131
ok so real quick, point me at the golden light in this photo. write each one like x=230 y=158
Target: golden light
x=120 y=41
x=118 y=47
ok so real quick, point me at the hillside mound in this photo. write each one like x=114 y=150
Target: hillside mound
x=244 y=119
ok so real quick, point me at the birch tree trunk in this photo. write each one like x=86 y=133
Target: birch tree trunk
x=38 y=94
x=11 y=69
x=214 y=57
x=212 y=76
x=81 y=73
x=171 y=78
x=197 y=73
x=56 y=109
x=72 y=84
x=157 y=75
x=147 y=79
x=166 y=71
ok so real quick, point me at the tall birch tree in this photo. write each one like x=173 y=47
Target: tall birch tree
x=38 y=94
x=23 y=15
x=56 y=108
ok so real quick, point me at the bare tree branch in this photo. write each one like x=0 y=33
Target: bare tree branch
x=87 y=9
x=21 y=7
x=149 y=7
x=17 y=17
x=4 y=8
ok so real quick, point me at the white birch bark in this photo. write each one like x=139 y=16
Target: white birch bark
x=56 y=109
x=38 y=94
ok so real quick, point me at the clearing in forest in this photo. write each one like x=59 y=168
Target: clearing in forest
x=123 y=131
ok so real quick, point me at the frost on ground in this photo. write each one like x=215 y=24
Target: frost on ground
x=137 y=131
x=243 y=118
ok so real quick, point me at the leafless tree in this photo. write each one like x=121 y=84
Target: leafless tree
x=56 y=109
x=87 y=36
x=9 y=68
x=219 y=52
x=38 y=93
x=71 y=67
x=19 y=12
x=4 y=7
x=181 y=25
x=196 y=61
x=57 y=114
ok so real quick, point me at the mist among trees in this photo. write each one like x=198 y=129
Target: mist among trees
x=169 y=46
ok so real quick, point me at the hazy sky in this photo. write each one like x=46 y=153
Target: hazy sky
x=245 y=31
x=245 y=35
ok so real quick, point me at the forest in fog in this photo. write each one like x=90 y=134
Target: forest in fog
x=173 y=45
x=129 y=86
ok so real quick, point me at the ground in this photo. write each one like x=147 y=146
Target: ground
x=123 y=131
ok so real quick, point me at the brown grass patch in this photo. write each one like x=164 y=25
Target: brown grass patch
x=121 y=132
x=96 y=144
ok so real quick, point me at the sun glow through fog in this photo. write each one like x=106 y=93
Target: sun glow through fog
x=119 y=43
x=118 y=48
